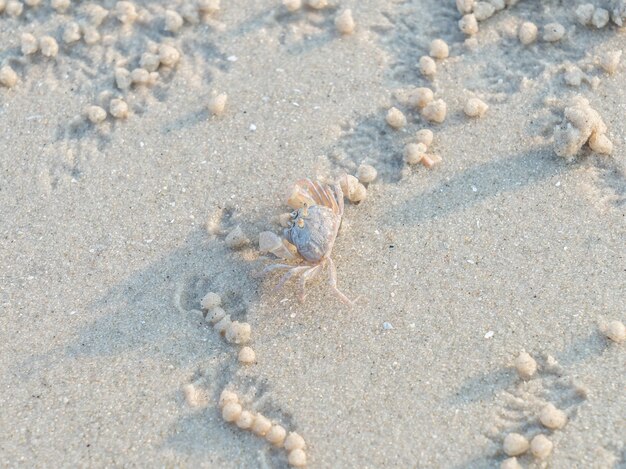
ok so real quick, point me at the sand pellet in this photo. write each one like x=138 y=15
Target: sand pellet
x=584 y=13
x=30 y=3
x=236 y=239
x=261 y=425
x=600 y=18
x=414 y=152
x=468 y=25
x=96 y=114
x=71 y=33
x=91 y=35
x=510 y=463
x=465 y=6
x=226 y=397
x=318 y=4
x=553 y=32
x=297 y=458
x=122 y=78
x=498 y=4
x=421 y=97
x=515 y=444
x=149 y=61
x=541 y=446
x=581 y=122
x=96 y=14
x=141 y=76
x=439 y=49
x=552 y=418
x=395 y=118
x=118 y=108
x=8 y=77
x=348 y=184
x=125 y=12
x=209 y=6
x=483 y=10
x=618 y=14
x=292 y=5
x=14 y=8
x=573 y=76
x=359 y=194
x=424 y=136
x=215 y=315
x=28 y=44
x=276 y=435
x=427 y=65
x=525 y=365
x=294 y=441
x=210 y=300
x=238 y=332
x=435 y=111
x=344 y=22
x=48 y=46
x=231 y=411
x=527 y=33
x=173 y=21
x=475 y=107
x=366 y=173
x=616 y=331
x=609 y=61
x=194 y=396
x=245 y=420
x=221 y=325
x=217 y=104
x=600 y=143
x=190 y=13
x=168 y=55
x=246 y=355
x=60 y=5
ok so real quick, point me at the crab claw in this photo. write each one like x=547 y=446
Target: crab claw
x=271 y=242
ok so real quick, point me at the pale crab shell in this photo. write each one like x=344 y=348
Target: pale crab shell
x=315 y=239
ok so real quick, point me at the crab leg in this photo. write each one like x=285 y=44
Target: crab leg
x=309 y=274
x=332 y=272
x=289 y=274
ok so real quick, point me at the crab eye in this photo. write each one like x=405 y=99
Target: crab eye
x=301 y=223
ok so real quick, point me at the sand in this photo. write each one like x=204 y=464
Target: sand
x=502 y=247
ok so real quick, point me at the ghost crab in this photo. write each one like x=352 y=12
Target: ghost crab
x=311 y=233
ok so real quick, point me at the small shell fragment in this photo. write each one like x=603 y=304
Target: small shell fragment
x=395 y=118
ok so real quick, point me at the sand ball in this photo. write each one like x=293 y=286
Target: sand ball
x=71 y=33
x=226 y=397
x=297 y=458
x=125 y=12
x=96 y=114
x=30 y=3
x=525 y=365
x=439 y=49
x=96 y=14
x=217 y=104
x=194 y=396
x=276 y=435
x=395 y=118
x=90 y=35
x=14 y=8
x=424 y=136
x=414 y=152
x=318 y=4
x=366 y=173
x=609 y=61
x=427 y=65
x=515 y=444
x=209 y=6
x=60 y=5
x=238 y=332
x=468 y=25
x=475 y=107
x=498 y=4
x=553 y=32
x=600 y=18
x=294 y=441
x=246 y=356
x=584 y=13
x=510 y=463
x=344 y=22
x=359 y=194
x=292 y=5
x=48 y=46
x=140 y=76
x=28 y=44
x=421 y=97
x=118 y=108
x=616 y=331
x=435 y=111
x=552 y=418
x=348 y=184
x=122 y=78
x=210 y=301
x=8 y=77
x=245 y=420
x=465 y=6
x=236 y=239
x=149 y=61
x=527 y=33
x=173 y=21
x=600 y=143
x=221 y=325
x=231 y=411
x=261 y=425
x=168 y=55
x=541 y=446
x=483 y=10
x=215 y=315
